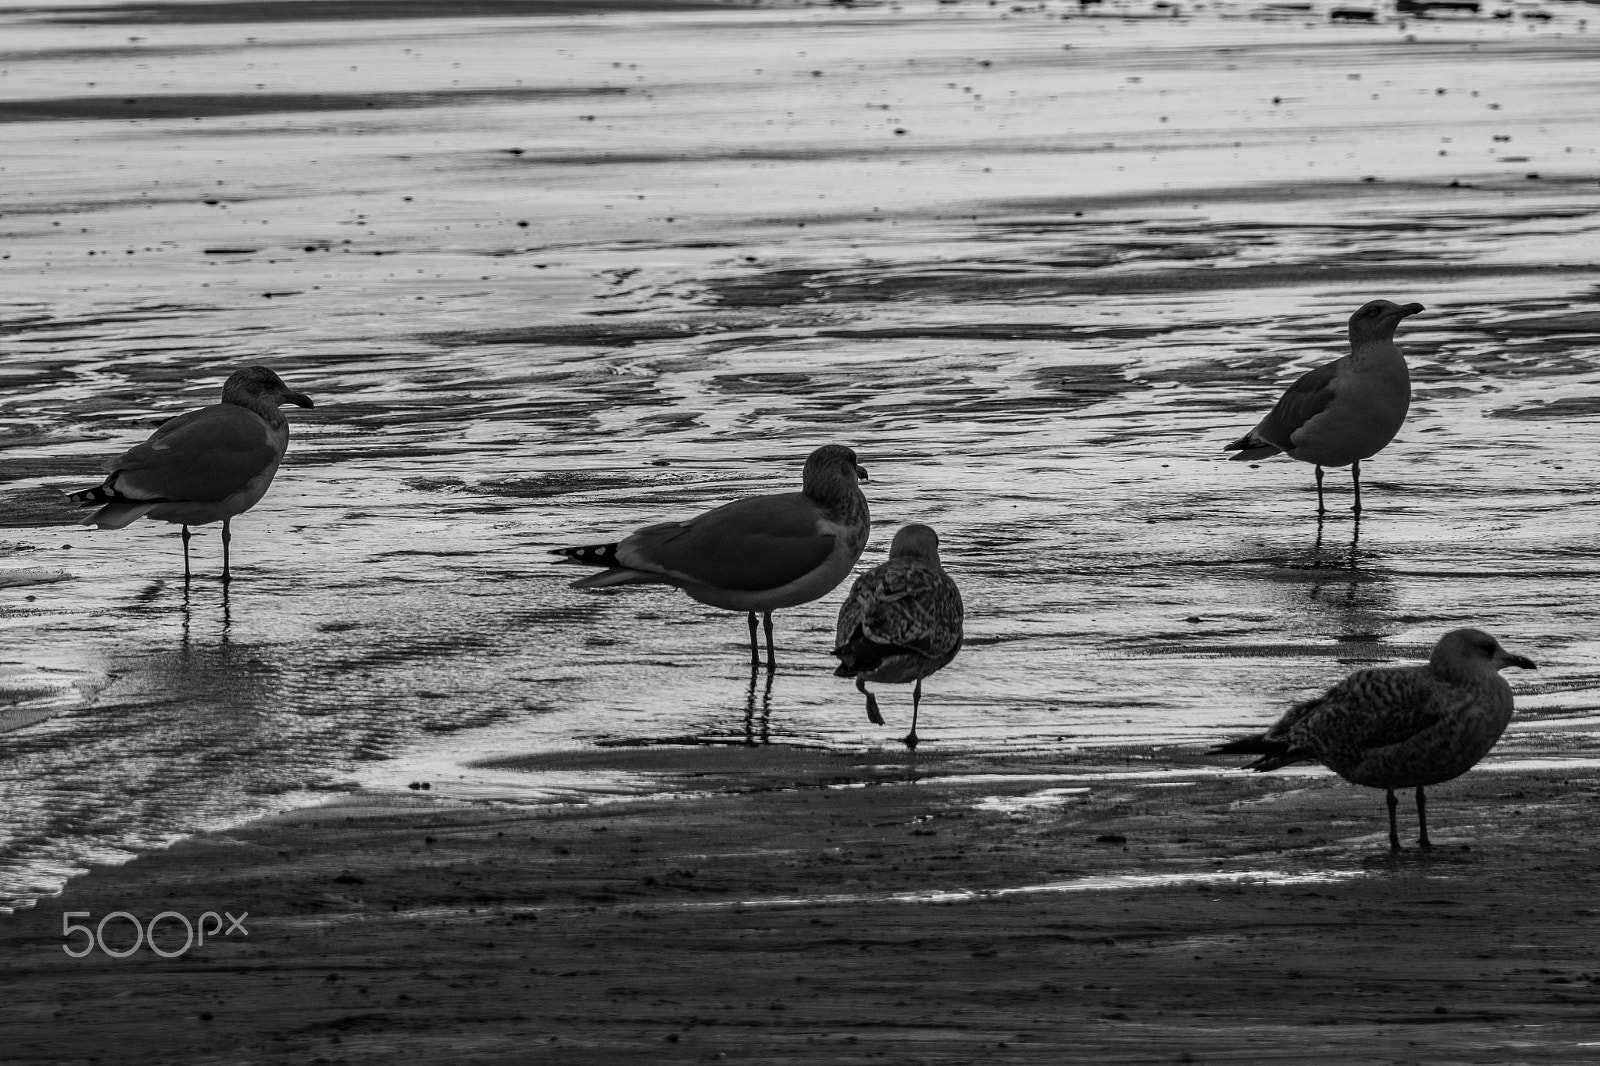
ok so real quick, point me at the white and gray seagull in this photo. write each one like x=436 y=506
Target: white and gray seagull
x=759 y=554
x=1399 y=727
x=1344 y=411
x=204 y=466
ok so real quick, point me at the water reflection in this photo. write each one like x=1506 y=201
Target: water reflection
x=185 y=611
x=1353 y=598
x=758 y=727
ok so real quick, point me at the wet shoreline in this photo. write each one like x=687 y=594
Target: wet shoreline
x=1037 y=270
x=825 y=908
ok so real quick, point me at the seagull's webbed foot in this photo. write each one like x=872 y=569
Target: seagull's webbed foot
x=872 y=703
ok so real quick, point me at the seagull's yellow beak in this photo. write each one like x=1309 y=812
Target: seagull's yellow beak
x=861 y=473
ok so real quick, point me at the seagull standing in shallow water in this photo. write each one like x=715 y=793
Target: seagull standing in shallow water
x=759 y=554
x=202 y=466
x=1399 y=727
x=1344 y=411
x=901 y=621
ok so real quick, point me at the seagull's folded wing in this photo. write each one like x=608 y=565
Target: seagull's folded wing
x=1374 y=709
x=203 y=456
x=914 y=607
x=750 y=545
x=1308 y=397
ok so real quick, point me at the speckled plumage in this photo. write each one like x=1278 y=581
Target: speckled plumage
x=901 y=621
x=1399 y=727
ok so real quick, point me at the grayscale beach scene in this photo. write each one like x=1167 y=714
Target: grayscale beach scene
x=552 y=271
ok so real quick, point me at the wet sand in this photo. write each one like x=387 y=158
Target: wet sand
x=787 y=907
x=1039 y=270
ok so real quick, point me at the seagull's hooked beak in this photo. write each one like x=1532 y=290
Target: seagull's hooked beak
x=1506 y=658
x=299 y=399
x=861 y=473
x=1407 y=310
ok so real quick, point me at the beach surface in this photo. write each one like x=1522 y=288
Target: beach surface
x=551 y=272
x=781 y=906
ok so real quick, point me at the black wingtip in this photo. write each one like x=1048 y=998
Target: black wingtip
x=590 y=554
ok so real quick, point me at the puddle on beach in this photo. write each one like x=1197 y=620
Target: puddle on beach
x=1036 y=270
x=1110 y=883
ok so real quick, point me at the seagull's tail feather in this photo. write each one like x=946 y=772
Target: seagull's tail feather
x=116 y=510
x=1251 y=446
x=616 y=573
x=117 y=515
x=619 y=576
x=861 y=655
x=1274 y=753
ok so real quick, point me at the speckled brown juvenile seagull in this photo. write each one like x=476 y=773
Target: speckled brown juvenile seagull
x=1399 y=727
x=901 y=621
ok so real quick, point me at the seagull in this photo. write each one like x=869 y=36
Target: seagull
x=1344 y=411
x=202 y=466
x=901 y=621
x=759 y=554
x=1399 y=727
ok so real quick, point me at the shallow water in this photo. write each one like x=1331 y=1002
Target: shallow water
x=551 y=278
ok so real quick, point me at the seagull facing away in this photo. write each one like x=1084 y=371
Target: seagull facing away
x=759 y=554
x=901 y=621
x=1399 y=727
x=1344 y=411
x=202 y=466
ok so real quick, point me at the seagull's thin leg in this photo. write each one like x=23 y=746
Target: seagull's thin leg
x=766 y=624
x=1321 y=508
x=186 y=535
x=872 y=701
x=1394 y=833
x=1355 y=479
x=227 y=535
x=755 y=649
x=1422 y=820
x=916 y=700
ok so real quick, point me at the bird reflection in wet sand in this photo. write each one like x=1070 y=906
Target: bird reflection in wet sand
x=1323 y=559
x=901 y=621
x=765 y=717
x=185 y=610
x=1344 y=411
x=1399 y=727
x=203 y=466
x=758 y=554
